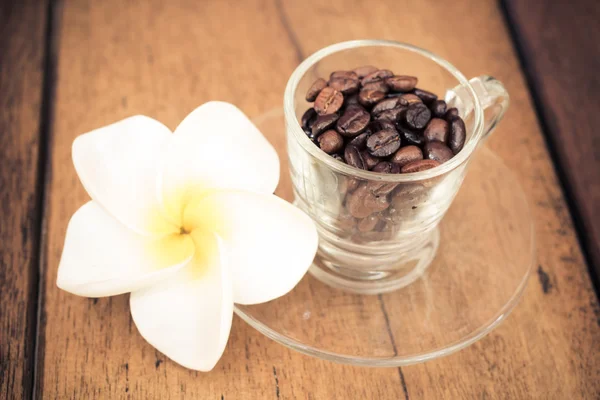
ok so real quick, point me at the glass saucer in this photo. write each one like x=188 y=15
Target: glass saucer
x=485 y=255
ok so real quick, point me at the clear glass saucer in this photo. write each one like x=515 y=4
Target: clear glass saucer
x=485 y=255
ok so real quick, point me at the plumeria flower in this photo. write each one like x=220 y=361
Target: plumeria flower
x=188 y=223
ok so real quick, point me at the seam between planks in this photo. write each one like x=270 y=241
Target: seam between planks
x=43 y=176
x=551 y=145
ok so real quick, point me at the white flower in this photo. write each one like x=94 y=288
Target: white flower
x=187 y=223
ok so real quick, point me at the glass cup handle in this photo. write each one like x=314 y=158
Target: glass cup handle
x=492 y=95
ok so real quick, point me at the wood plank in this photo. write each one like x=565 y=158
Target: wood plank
x=562 y=64
x=112 y=65
x=22 y=27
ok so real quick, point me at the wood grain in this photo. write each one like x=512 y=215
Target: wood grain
x=163 y=59
x=22 y=26
x=562 y=64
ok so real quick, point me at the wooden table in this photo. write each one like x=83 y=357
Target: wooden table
x=71 y=66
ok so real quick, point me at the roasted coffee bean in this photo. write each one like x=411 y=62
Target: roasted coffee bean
x=343 y=74
x=418 y=166
x=437 y=130
x=368 y=224
x=308 y=118
x=458 y=134
x=351 y=100
x=323 y=122
x=330 y=141
x=315 y=89
x=380 y=188
x=345 y=221
x=437 y=151
x=380 y=75
x=328 y=101
x=375 y=202
x=383 y=143
x=355 y=202
x=401 y=83
x=426 y=96
x=353 y=184
x=386 y=104
x=360 y=141
x=387 y=167
x=345 y=85
x=406 y=155
x=410 y=137
x=370 y=161
x=392 y=115
x=369 y=97
x=364 y=70
x=354 y=121
x=377 y=85
x=417 y=116
x=354 y=157
x=438 y=108
x=451 y=114
x=410 y=98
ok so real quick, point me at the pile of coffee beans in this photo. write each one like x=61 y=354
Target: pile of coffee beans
x=374 y=120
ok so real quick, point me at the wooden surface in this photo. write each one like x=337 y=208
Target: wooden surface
x=22 y=26
x=162 y=59
x=563 y=65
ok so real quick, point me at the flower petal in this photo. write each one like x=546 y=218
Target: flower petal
x=270 y=243
x=101 y=257
x=216 y=146
x=188 y=317
x=118 y=166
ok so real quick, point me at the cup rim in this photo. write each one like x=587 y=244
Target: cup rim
x=308 y=145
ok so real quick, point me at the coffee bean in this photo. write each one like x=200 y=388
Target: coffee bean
x=380 y=75
x=354 y=157
x=426 y=96
x=355 y=202
x=343 y=74
x=417 y=116
x=385 y=105
x=458 y=134
x=377 y=85
x=451 y=114
x=354 y=121
x=323 y=122
x=418 y=166
x=345 y=221
x=308 y=118
x=352 y=184
x=406 y=155
x=401 y=83
x=368 y=224
x=369 y=97
x=437 y=130
x=364 y=70
x=392 y=115
x=328 y=101
x=387 y=167
x=375 y=202
x=315 y=89
x=345 y=85
x=383 y=143
x=437 y=151
x=330 y=141
x=410 y=137
x=438 y=108
x=410 y=98
x=370 y=161
x=360 y=141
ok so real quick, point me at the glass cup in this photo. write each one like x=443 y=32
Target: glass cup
x=378 y=232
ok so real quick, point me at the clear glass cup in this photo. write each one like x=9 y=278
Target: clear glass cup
x=378 y=232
